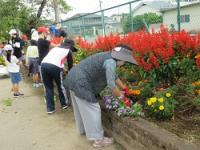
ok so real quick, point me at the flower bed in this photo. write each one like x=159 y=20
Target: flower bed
x=141 y=134
x=165 y=86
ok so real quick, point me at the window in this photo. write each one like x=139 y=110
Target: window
x=184 y=18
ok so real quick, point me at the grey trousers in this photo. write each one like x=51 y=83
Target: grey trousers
x=87 y=117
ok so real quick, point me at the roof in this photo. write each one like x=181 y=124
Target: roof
x=85 y=15
x=157 y=4
x=183 y=6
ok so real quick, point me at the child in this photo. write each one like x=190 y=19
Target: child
x=13 y=68
x=32 y=60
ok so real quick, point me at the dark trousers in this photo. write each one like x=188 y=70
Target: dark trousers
x=52 y=73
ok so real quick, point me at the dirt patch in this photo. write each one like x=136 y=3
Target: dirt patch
x=186 y=127
x=25 y=124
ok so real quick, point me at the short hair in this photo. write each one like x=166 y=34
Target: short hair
x=63 y=33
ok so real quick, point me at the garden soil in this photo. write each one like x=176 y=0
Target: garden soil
x=186 y=127
x=25 y=125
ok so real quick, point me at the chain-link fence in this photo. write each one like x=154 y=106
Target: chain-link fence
x=133 y=16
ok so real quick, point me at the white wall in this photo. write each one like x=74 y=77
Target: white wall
x=170 y=17
x=145 y=9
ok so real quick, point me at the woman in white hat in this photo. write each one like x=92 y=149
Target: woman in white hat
x=13 y=65
x=16 y=43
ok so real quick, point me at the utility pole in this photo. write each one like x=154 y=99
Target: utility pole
x=102 y=18
x=178 y=15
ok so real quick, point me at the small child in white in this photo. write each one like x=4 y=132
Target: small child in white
x=13 y=65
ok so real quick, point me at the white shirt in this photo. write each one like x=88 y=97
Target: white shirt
x=12 y=65
x=34 y=36
x=56 y=56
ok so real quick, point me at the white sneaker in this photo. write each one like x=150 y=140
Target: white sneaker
x=34 y=85
x=64 y=107
x=40 y=84
x=37 y=85
x=103 y=142
x=51 y=112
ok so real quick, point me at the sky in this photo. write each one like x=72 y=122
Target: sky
x=88 y=6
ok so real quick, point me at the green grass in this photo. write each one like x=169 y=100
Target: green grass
x=7 y=102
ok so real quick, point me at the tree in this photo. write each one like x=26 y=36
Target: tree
x=49 y=6
x=138 y=21
x=13 y=14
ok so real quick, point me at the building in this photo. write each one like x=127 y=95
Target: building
x=189 y=17
x=83 y=23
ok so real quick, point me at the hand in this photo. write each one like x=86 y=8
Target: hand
x=126 y=91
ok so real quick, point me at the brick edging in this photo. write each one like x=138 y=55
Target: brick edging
x=140 y=134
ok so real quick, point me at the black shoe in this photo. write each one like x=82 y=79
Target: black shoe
x=21 y=94
x=16 y=95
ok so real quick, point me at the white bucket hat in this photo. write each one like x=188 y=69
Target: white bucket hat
x=13 y=31
x=124 y=54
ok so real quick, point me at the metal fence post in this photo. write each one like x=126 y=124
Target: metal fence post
x=102 y=18
x=83 y=25
x=178 y=15
x=103 y=23
x=130 y=11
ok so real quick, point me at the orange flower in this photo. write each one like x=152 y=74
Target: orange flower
x=134 y=92
x=198 y=91
x=197 y=83
x=197 y=56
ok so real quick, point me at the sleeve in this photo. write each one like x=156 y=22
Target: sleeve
x=70 y=60
x=15 y=59
x=110 y=68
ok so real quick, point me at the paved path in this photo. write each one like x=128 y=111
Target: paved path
x=25 y=124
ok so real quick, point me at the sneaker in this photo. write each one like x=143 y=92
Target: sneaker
x=34 y=85
x=40 y=84
x=20 y=94
x=103 y=142
x=64 y=107
x=51 y=112
x=37 y=85
x=16 y=95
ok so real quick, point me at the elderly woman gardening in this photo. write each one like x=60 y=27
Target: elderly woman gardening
x=86 y=80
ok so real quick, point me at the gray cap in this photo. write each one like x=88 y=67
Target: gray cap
x=123 y=54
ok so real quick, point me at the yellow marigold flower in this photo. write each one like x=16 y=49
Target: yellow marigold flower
x=149 y=102
x=161 y=107
x=153 y=99
x=168 y=94
x=161 y=100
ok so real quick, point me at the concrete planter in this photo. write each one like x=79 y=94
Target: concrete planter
x=139 y=134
